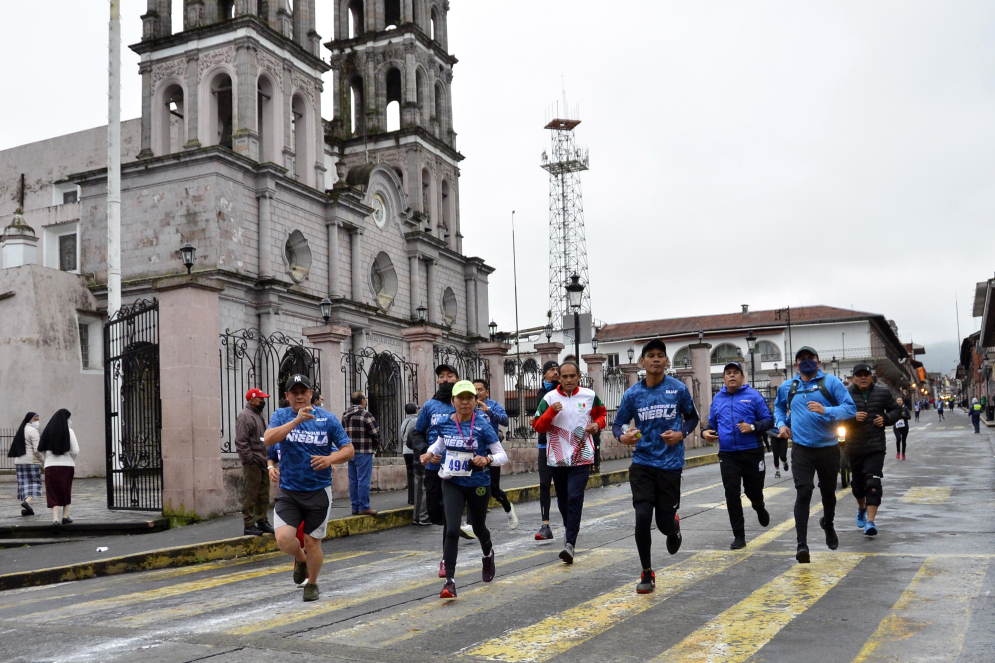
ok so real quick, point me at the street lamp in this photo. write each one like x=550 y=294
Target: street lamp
x=575 y=297
x=836 y=366
x=422 y=311
x=594 y=343
x=326 y=309
x=631 y=352
x=548 y=329
x=188 y=253
x=493 y=328
x=751 y=344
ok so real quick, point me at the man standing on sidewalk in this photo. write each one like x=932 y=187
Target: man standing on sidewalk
x=976 y=415
x=250 y=427
x=806 y=410
x=361 y=427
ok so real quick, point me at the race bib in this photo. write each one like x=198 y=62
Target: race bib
x=900 y=423
x=457 y=464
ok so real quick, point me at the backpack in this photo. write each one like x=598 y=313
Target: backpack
x=823 y=389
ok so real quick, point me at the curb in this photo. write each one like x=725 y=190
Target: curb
x=244 y=546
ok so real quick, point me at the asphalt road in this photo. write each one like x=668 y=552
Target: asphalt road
x=919 y=591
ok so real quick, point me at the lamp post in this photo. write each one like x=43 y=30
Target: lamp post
x=594 y=343
x=575 y=296
x=836 y=366
x=631 y=352
x=493 y=328
x=188 y=254
x=422 y=311
x=751 y=344
x=548 y=330
x=326 y=309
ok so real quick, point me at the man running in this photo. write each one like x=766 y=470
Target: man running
x=497 y=417
x=664 y=415
x=901 y=429
x=737 y=419
x=806 y=411
x=939 y=409
x=866 y=442
x=569 y=416
x=916 y=409
x=311 y=441
x=550 y=381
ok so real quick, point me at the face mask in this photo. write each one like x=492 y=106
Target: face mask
x=34 y=424
x=808 y=366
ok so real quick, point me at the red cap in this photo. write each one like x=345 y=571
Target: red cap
x=255 y=393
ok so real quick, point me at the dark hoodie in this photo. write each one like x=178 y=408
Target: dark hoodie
x=439 y=407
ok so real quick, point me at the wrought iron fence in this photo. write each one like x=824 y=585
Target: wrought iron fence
x=6 y=438
x=717 y=384
x=389 y=382
x=522 y=381
x=132 y=408
x=763 y=386
x=468 y=363
x=248 y=359
x=614 y=389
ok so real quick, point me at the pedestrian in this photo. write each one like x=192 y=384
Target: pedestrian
x=569 y=416
x=901 y=429
x=465 y=447
x=250 y=427
x=27 y=461
x=58 y=442
x=311 y=441
x=550 y=381
x=820 y=400
x=737 y=419
x=866 y=443
x=362 y=428
x=664 y=415
x=916 y=408
x=779 y=449
x=939 y=410
x=317 y=400
x=497 y=417
x=418 y=444
x=404 y=434
x=439 y=407
x=975 y=416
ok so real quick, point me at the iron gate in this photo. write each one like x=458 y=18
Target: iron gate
x=249 y=359
x=132 y=408
x=614 y=389
x=468 y=363
x=522 y=380
x=389 y=382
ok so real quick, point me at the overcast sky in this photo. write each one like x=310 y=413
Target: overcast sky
x=769 y=153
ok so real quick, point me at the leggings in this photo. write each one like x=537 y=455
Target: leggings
x=644 y=526
x=901 y=435
x=545 y=480
x=496 y=491
x=455 y=498
x=809 y=462
x=779 y=447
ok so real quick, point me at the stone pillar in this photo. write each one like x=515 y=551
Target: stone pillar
x=415 y=281
x=631 y=372
x=421 y=346
x=145 y=70
x=596 y=371
x=265 y=235
x=686 y=375
x=495 y=353
x=471 y=306
x=548 y=352
x=701 y=364
x=328 y=339
x=356 y=256
x=193 y=480
x=776 y=380
x=191 y=104
x=245 y=138
x=433 y=296
x=334 y=287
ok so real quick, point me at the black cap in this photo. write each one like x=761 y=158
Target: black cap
x=655 y=344
x=446 y=367
x=807 y=348
x=863 y=367
x=298 y=379
x=734 y=364
x=548 y=365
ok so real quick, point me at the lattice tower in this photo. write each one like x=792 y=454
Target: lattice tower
x=567 y=245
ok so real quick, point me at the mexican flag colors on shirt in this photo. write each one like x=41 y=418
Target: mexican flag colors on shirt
x=569 y=442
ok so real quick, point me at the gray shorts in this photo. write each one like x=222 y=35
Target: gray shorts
x=312 y=508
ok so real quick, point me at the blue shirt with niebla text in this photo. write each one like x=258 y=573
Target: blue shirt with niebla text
x=273 y=453
x=318 y=437
x=461 y=439
x=667 y=406
x=432 y=412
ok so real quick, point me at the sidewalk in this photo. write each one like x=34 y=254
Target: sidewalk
x=218 y=533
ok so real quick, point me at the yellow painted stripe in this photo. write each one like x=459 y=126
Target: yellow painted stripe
x=769 y=492
x=561 y=632
x=930 y=618
x=739 y=632
x=423 y=618
x=927 y=495
x=283 y=614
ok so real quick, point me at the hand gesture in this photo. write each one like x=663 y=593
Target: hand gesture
x=861 y=416
x=710 y=435
x=304 y=414
x=631 y=436
x=784 y=433
x=321 y=462
x=672 y=437
x=483 y=406
x=816 y=407
x=745 y=427
x=879 y=421
x=274 y=474
x=427 y=458
x=593 y=428
x=481 y=461
x=557 y=407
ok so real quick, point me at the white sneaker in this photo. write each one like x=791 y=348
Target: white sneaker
x=512 y=518
x=467 y=532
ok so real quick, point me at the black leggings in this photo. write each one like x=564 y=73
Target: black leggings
x=496 y=491
x=455 y=498
x=901 y=435
x=545 y=480
x=779 y=448
x=809 y=463
x=644 y=527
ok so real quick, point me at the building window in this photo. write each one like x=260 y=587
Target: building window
x=612 y=361
x=726 y=353
x=298 y=256
x=449 y=307
x=67 y=253
x=383 y=280
x=682 y=357
x=84 y=344
x=70 y=197
x=767 y=351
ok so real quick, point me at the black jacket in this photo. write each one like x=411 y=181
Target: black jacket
x=540 y=394
x=906 y=415
x=863 y=437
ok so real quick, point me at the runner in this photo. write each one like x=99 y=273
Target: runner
x=737 y=419
x=550 y=381
x=866 y=442
x=916 y=409
x=901 y=429
x=822 y=400
x=433 y=411
x=497 y=417
x=570 y=415
x=664 y=415
x=779 y=449
x=939 y=409
x=465 y=446
x=311 y=441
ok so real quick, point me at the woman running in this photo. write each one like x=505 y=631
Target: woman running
x=465 y=448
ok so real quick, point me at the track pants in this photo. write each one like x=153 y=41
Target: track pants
x=746 y=469
x=455 y=498
x=545 y=480
x=571 y=482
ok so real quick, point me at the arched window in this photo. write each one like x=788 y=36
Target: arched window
x=767 y=351
x=682 y=358
x=392 y=14
x=433 y=32
x=171 y=122
x=299 y=137
x=226 y=10
x=394 y=94
x=220 y=116
x=725 y=353
x=450 y=307
x=445 y=207
x=298 y=255
x=266 y=107
x=355 y=18
x=421 y=96
x=357 y=107
x=440 y=107
x=426 y=194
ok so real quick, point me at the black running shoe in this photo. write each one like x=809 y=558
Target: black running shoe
x=832 y=540
x=310 y=592
x=763 y=517
x=448 y=591
x=802 y=555
x=785 y=466
x=300 y=572
x=674 y=540
x=647 y=582
x=487 y=573
x=545 y=533
x=738 y=543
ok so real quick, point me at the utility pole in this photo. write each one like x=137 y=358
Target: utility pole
x=114 y=162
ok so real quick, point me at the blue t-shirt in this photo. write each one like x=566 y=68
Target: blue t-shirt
x=667 y=406
x=432 y=412
x=273 y=453
x=318 y=437
x=497 y=416
x=479 y=441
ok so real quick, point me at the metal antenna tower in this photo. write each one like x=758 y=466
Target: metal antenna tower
x=567 y=245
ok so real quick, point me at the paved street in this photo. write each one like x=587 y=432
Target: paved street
x=919 y=591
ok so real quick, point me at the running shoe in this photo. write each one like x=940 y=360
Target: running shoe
x=466 y=532
x=832 y=541
x=300 y=572
x=545 y=533
x=870 y=529
x=903 y=456
x=738 y=543
x=674 y=540
x=785 y=466
x=802 y=555
x=647 y=582
x=763 y=517
x=861 y=518
x=487 y=574
x=898 y=456
x=311 y=592
x=512 y=518
x=442 y=569
x=777 y=474
x=448 y=590
x=567 y=554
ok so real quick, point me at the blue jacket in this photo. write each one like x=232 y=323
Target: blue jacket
x=746 y=405
x=426 y=428
x=810 y=429
x=497 y=416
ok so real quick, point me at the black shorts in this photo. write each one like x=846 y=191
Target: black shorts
x=656 y=486
x=313 y=508
x=871 y=465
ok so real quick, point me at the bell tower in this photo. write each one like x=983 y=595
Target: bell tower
x=243 y=74
x=392 y=78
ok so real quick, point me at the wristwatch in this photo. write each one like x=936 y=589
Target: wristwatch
x=752 y=427
x=490 y=459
